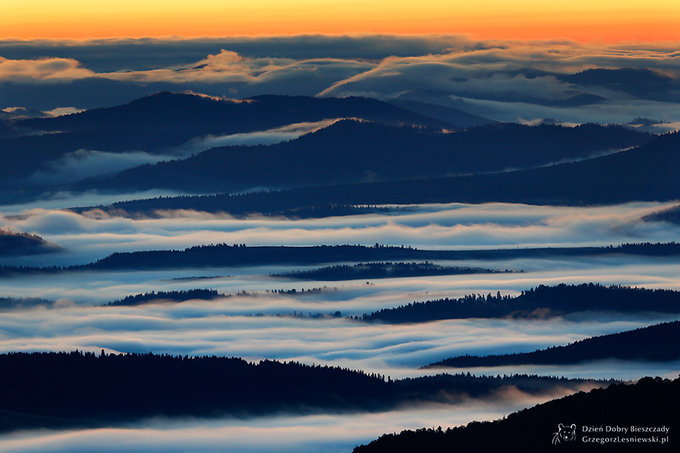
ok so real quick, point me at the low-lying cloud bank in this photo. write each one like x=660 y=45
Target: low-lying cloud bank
x=228 y=327
x=505 y=80
x=292 y=434
x=85 y=163
x=94 y=235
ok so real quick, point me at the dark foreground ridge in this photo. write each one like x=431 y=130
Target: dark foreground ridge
x=540 y=302
x=648 y=404
x=60 y=390
x=221 y=255
x=654 y=343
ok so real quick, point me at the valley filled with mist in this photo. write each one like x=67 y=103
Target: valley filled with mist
x=302 y=272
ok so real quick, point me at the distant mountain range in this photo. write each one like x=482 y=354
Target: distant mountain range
x=209 y=115
x=643 y=173
x=165 y=120
x=654 y=343
x=384 y=155
x=354 y=151
x=641 y=83
x=442 y=112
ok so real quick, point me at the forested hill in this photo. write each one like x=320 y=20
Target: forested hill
x=160 y=296
x=542 y=301
x=651 y=402
x=654 y=343
x=107 y=390
x=383 y=270
x=355 y=151
x=206 y=114
x=16 y=244
x=646 y=173
x=242 y=255
x=163 y=121
x=671 y=215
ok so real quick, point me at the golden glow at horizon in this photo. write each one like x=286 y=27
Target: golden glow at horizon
x=582 y=20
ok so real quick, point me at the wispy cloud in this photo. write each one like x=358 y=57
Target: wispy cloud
x=85 y=163
x=268 y=137
x=46 y=70
x=219 y=327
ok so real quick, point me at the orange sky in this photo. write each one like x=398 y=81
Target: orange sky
x=582 y=20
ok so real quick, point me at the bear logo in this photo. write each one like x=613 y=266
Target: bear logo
x=564 y=433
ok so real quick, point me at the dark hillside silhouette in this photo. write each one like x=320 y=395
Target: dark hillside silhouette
x=15 y=244
x=671 y=215
x=173 y=296
x=109 y=389
x=220 y=203
x=354 y=151
x=656 y=343
x=165 y=120
x=383 y=270
x=441 y=112
x=651 y=402
x=645 y=173
x=542 y=301
x=208 y=114
x=237 y=255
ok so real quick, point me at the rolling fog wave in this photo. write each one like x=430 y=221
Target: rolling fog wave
x=330 y=433
x=229 y=327
x=492 y=225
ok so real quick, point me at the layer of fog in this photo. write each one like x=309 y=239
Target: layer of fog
x=267 y=137
x=252 y=327
x=603 y=369
x=493 y=225
x=56 y=200
x=84 y=163
x=87 y=288
x=229 y=326
x=330 y=433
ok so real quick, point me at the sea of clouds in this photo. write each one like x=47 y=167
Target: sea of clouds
x=504 y=80
x=93 y=235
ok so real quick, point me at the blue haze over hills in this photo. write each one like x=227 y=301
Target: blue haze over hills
x=356 y=207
